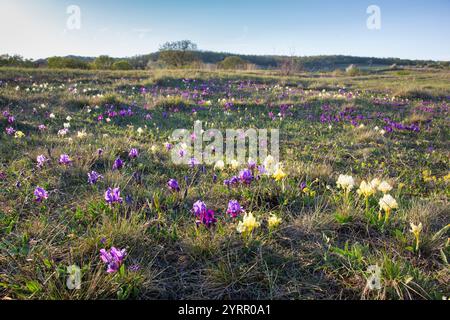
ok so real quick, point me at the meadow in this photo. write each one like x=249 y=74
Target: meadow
x=357 y=208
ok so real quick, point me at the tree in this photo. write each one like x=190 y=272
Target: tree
x=178 y=54
x=122 y=65
x=289 y=65
x=233 y=63
x=15 y=61
x=183 y=45
x=103 y=62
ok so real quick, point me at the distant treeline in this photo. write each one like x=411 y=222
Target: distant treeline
x=184 y=54
x=16 y=61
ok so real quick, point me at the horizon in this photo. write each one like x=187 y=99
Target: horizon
x=238 y=54
x=412 y=30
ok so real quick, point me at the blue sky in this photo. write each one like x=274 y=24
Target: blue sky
x=409 y=29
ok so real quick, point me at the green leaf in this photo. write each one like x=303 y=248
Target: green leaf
x=443 y=256
x=47 y=263
x=122 y=270
x=33 y=286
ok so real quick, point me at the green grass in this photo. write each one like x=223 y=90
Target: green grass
x=311 y=255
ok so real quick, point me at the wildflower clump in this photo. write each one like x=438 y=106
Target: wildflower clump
x=234 y=208
x=203 y=215
x=247 y=225
x=112 y=196
x=279 y=173
x=387 y=204
x=273 y=221
x=345 y=182
x=416 y=231
x=113 y=258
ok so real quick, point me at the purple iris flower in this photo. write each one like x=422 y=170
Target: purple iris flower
x=234 y=208
x=206 y=218
x=113 y=258
x=134 y=153
x=228 y=105
x=168 y=146
x=234 y=180
x=173 y=185
x=134 y=268
x=262 y=169
x=93 y=177
x=10 y=131
x=246 y=176
x=118 y=164
x=40 y=194
x=272 y=116
x=199 y=208
x=11 y=119
x=128 y=199
x=113 y=196
x=41 y=159
x=112 y=114
x=193 y=162
x=137 y=176
x=64 y=159
x=252 y=165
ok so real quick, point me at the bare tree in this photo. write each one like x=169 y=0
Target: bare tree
x=290 y=65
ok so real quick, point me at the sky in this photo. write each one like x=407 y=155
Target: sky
x=411 y=29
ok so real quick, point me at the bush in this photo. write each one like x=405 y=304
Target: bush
x=103 y=63
x=338 y=73
x=353 y=70
x=233 y=63
x=415 y=93
x=66 y=63
x=122 y=65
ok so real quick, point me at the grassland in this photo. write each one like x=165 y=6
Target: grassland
x=391 y=125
